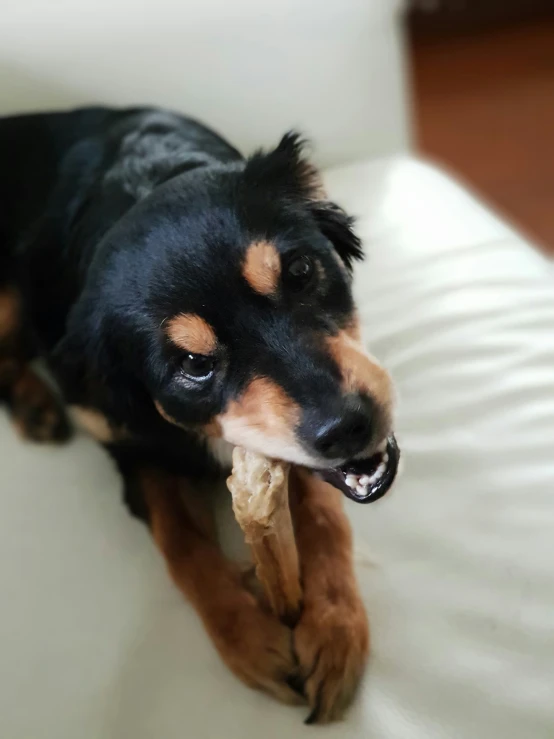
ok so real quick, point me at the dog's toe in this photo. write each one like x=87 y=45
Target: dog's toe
x=332 y=648
x=257 y=648
x=37 y=413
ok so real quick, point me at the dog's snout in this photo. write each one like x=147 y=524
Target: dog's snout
x=346 y=432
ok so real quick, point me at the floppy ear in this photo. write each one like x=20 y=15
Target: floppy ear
x=336 y=225
x=288 y=169
x=81 y=352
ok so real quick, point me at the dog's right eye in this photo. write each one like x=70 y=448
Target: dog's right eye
x=299 y=272
x=197 y=366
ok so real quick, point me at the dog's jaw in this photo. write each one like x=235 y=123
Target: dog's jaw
x=367 y=480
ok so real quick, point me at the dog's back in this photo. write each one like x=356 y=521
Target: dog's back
x=32 y=149
x=50 y=161
x=68 y=177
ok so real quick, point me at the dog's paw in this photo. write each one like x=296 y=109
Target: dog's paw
x=37 y=413
x=331 y=643
x=257 y=647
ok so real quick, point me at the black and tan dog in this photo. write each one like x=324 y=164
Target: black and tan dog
x=186 y=300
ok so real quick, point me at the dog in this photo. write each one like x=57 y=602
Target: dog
x=187 y=299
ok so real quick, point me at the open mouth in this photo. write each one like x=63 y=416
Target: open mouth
x=366 y=480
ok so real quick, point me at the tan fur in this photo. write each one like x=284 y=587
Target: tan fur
x=10 y=312
x=264 y=419
x=354 y=330
x=253 y=644
x=361 y=372
x=36 y=411
x=212 y=429
x=95 y=424
x=332 y=636
x=328 y=648
x=262 y=267
x=192 y=334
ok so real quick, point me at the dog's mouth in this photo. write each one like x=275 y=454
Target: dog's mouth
x=366 y=480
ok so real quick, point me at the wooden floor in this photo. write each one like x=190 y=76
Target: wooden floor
x=484 y=106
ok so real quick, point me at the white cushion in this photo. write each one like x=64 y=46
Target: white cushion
x=251 y=68
x=455 y=564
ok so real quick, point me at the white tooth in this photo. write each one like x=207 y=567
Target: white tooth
x=373 y=477
x=364 y=480
x=385 y=458
x=382 y=467
x=361 y=490
x=351 y=481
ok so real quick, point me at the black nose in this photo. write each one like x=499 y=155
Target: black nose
x=346 y=432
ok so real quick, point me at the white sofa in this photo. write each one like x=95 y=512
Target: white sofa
x=456 y=563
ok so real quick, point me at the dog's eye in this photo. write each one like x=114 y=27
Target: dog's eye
x=197 y=366
x=299 y=272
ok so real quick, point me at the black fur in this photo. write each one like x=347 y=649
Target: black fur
x=111 y=221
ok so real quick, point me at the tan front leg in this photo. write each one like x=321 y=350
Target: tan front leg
x=37 y=413
x=252 y=642
x=332 y=637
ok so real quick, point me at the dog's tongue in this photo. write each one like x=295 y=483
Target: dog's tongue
x=366 y=480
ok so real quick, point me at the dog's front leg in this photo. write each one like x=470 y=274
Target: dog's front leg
x=332 y=636
x=254 y=645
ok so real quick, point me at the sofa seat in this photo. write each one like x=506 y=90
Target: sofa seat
x=455 y=564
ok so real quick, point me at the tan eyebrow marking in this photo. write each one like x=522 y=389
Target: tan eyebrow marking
x=262 y=267
x=191 y=333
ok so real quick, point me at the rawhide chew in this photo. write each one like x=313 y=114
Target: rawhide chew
x=259 y=487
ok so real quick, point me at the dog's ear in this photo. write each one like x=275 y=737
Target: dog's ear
x=96 y=351
x=286 y=168
x=336 y=225
x=81 y=352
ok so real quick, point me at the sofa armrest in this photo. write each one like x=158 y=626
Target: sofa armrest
x=251 y=69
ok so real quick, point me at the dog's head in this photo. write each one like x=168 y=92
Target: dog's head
x=227 y=293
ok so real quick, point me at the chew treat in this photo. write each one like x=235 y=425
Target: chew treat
x=259 y=487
